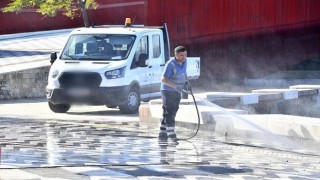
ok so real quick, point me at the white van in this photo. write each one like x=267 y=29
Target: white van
x=116 y=66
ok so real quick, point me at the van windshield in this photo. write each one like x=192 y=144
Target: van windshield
x=98 y=47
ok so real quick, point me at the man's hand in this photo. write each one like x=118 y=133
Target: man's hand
x=180 y=89
x=187 y=85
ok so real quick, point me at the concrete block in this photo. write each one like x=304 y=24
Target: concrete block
x=249 y=99
x=269 y=97
x=287 y=94
x=226 y=102
x=307 y=92
x=305 y=87
x=245 y=98
x=301 y=88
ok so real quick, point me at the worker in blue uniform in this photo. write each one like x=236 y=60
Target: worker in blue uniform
x=173 y=80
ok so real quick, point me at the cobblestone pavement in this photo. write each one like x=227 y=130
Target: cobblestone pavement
x=36 y=148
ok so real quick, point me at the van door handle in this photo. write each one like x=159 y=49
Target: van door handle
x=162 y=64
x=149 y=66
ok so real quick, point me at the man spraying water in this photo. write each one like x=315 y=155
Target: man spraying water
x=173 y=81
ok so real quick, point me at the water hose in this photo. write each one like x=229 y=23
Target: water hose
x=198 y=114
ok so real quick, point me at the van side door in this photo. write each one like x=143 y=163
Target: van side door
x=140 y=70
x=155 y=64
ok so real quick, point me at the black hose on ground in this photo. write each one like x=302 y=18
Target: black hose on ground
x=198 y=114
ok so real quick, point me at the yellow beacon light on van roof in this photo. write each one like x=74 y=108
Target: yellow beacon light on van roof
x=127 y=22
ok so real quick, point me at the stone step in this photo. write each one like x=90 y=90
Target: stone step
x=287 y=94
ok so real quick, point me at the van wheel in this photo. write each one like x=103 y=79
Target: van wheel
x=132 y=102
x=59 y=108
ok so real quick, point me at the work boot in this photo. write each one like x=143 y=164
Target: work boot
x=173 y=140
x=162 y=137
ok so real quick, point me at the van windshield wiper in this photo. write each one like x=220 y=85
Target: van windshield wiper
x=93 y=58
x=86 y=58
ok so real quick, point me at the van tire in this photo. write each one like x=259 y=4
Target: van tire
x=132 y=102
x=59 y=108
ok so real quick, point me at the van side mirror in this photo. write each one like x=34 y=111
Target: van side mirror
x=142 y=60
x=53 y=57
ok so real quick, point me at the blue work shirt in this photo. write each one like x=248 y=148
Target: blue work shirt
x=175 y=72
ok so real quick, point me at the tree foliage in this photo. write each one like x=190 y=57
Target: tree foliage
x=50 y=8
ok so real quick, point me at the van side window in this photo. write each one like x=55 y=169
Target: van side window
x=142 y=50
x=156 y=46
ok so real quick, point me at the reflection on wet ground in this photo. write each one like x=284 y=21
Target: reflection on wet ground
x=116 y=144
x=39 y=144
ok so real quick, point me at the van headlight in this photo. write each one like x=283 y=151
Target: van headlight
x=54 y=74
x=117 y=73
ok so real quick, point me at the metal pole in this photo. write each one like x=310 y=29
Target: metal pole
x=82 y=4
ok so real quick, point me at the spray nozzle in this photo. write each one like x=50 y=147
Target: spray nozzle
x=185 y=90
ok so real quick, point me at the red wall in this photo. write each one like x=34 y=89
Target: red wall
x=239 y=39
x=222 y=18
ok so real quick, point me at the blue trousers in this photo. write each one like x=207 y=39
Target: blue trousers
x=171 y=101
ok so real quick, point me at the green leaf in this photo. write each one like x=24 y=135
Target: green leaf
x=50 y=8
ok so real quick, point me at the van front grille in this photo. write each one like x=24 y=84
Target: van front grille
x=80 y=79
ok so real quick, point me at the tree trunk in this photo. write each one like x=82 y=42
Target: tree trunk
x=82 y=4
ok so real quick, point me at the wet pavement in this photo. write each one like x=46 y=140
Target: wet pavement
x=38 y=147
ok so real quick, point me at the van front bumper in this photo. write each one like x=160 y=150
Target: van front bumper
x=96 y=96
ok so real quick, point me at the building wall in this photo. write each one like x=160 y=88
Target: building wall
x=218 y=19
x=239 y=39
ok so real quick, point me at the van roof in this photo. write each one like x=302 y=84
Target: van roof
x=117 y=30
